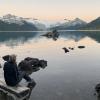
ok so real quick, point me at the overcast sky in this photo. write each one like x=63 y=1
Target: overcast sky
x=52 y=9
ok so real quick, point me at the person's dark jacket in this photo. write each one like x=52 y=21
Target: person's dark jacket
x=11 y=73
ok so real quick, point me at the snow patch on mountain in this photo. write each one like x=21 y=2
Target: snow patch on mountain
x=39 y=24
x=77 y=21
x=12 y=19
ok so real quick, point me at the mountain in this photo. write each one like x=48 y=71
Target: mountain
x=56 y=23
x=14 y=23
x=38 y=23
x=95 y=24
x=70 y=24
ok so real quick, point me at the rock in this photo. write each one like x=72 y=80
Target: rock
x=54 y=34
x=65 y=49
x=81 y=47
x=14 y=93
x=30 y=65
x=71 y=48
x=25 y=66
x=49 y=34
x=97 y=89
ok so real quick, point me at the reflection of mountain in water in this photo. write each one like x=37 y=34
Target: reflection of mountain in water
x=15 y=38
x=77 y=36
x=73 y=35
x=94 y=35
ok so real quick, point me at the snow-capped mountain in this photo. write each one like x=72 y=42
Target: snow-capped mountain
x=39 y=24
x=70 y=24
x=14 y=23
x=77 y=21
x=57 y=23
x=12 y=19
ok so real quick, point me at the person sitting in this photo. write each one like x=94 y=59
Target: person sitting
x=12 y=74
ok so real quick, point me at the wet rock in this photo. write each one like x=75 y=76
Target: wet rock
x=13 y=93
x=30 y=85
x=81 y=47
x=65 y=49
x=30 y=65
x=71 y=48
x=97 y=89
x=36 y=62
x=49 y=34
x=54 y=34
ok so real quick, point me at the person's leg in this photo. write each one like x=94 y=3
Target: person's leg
x=31 y=83
x=27 y=78
x=22 y=75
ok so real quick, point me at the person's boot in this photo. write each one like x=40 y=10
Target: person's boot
x=31 y=84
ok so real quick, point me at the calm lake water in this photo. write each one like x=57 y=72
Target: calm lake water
x=68 y=76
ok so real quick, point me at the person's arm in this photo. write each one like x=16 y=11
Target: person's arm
x=4 y=65
x=15 y=71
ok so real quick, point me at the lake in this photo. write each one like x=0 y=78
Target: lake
x=68 y=76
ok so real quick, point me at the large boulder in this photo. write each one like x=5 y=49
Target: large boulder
x=30 y=65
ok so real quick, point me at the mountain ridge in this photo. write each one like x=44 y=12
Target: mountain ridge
x=11 y=22
x=14 y=23
x=95 y=24
x=72 y=24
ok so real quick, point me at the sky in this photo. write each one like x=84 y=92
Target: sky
x=52 y=9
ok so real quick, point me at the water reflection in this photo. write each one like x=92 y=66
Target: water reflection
x=77 y=36
x=71 y=76
x=16 y=38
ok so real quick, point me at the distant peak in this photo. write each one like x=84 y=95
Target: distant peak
x=98 y=18
x=67 y=20
x=77 y=19
x=9 y=15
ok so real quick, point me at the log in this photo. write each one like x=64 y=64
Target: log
x=13 y=93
